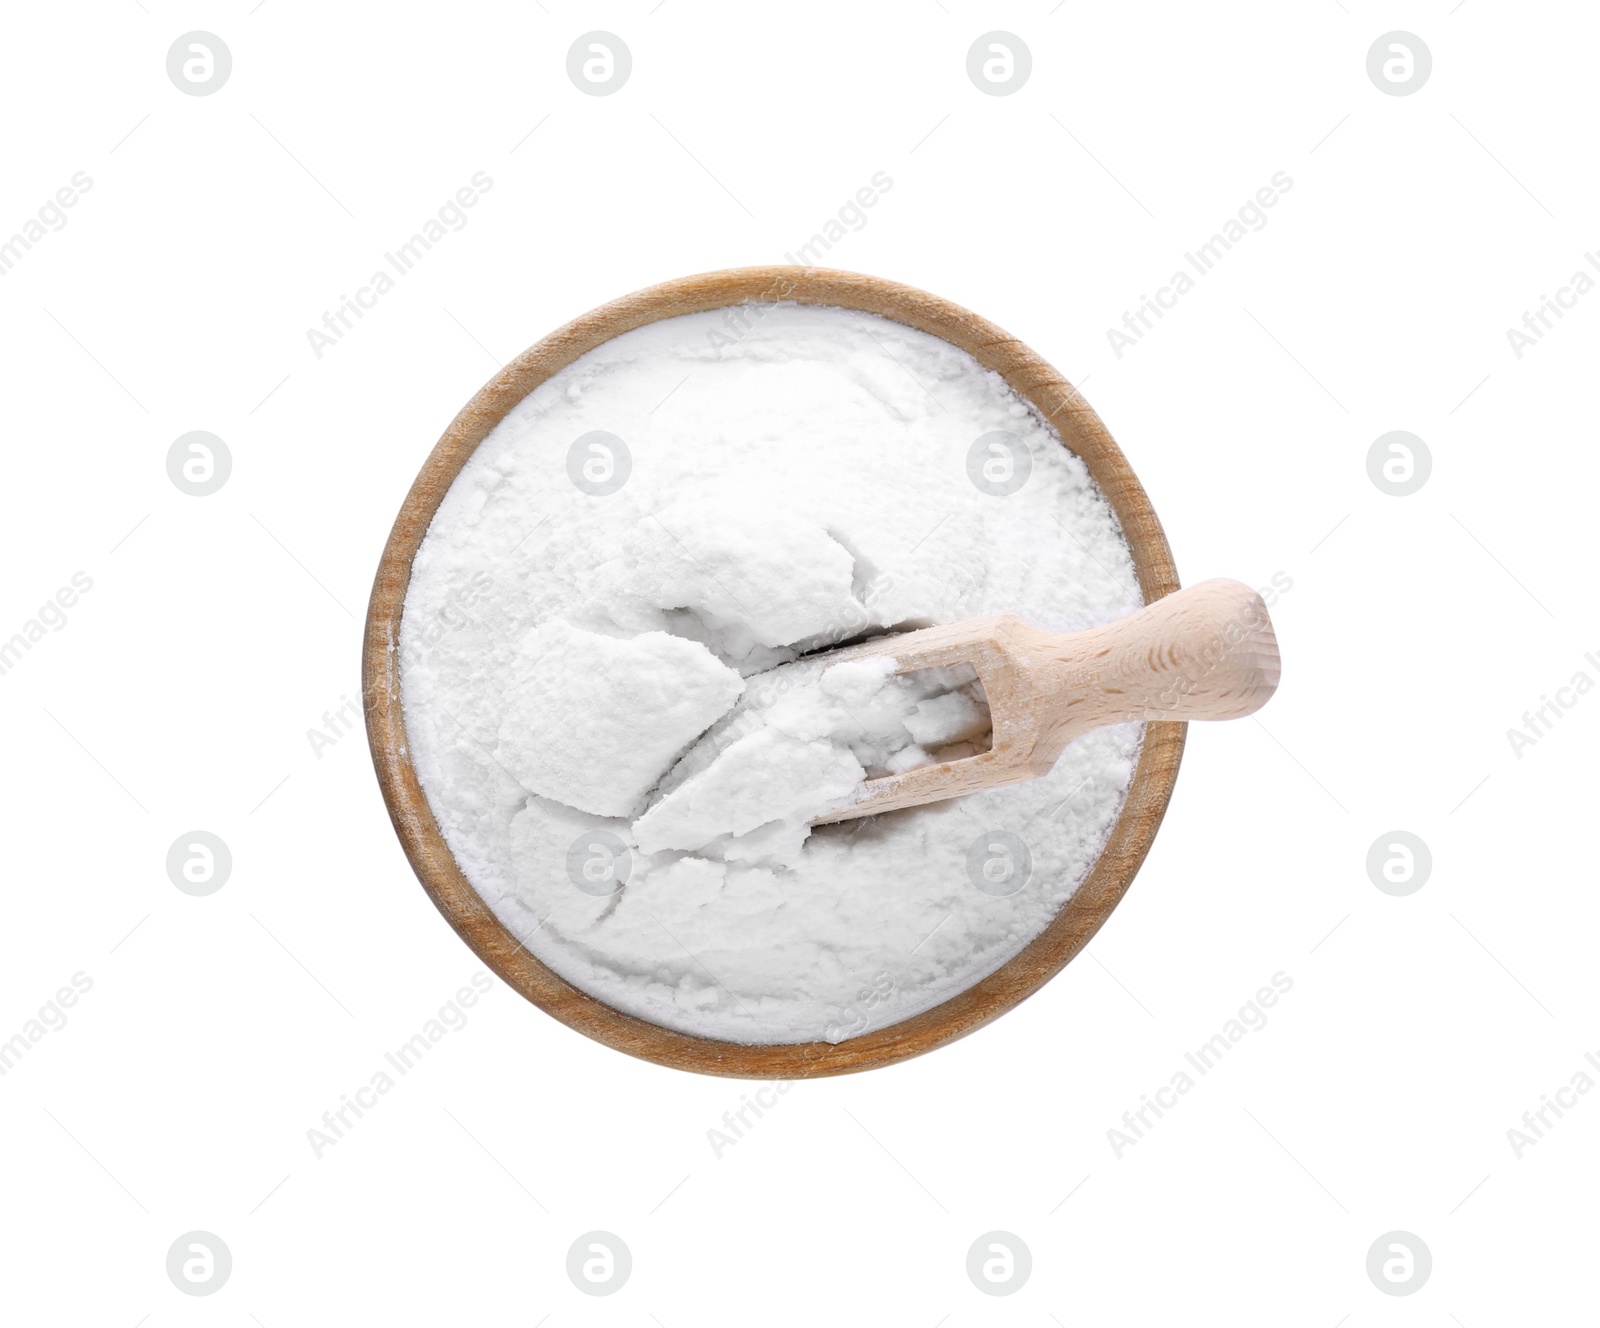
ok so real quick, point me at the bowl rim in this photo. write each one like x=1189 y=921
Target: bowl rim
x=1020 y=976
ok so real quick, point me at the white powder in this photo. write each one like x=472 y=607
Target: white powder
x=643 y=699
x=829 y=729
x=617 y=699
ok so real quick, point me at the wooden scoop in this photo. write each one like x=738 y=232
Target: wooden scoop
x=1205 y=652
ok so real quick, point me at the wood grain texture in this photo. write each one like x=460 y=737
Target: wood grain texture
x=1081 y=430
x=1207 y=652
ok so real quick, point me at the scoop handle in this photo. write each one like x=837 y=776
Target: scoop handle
x=1205 y=652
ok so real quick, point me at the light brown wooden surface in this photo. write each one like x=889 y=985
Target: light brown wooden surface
x=1055 y=399
x=1207 y=652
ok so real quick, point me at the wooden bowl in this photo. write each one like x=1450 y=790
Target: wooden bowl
x=1054 y=398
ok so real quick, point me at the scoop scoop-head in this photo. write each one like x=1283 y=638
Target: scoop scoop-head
x=1205 y=652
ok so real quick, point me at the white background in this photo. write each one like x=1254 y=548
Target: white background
x=219 y=629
